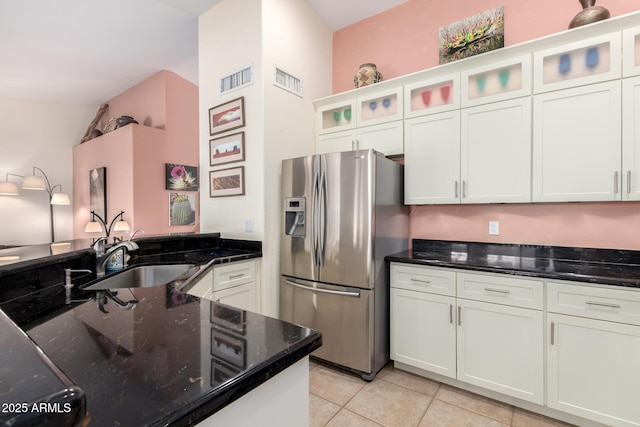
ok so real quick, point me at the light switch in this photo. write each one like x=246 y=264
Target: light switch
x=248 y=226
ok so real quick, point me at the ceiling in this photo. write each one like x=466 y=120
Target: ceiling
x=88 y=51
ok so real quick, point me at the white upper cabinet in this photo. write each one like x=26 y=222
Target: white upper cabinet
x=577 y=144
x=496 y=81
x=631 y=52
x=496 y=152
x=431 y=96
x=631 y=138
x=379 y=107
x=588 y=61
x=336 y=117
x=432 y=159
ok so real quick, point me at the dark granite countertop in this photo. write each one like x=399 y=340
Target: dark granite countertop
x=590 y=265
x=173 y=359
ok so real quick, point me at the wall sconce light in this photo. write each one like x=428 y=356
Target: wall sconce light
x=34 y=182
x=94 y=226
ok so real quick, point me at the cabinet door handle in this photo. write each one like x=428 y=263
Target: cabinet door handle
x=353 y=144
x=628 y=182
x=459 y=315
x=553 y=333
x=500 y=291
x=464 y=189
x=420 y=281
x=603 y=304
x=236 y=276
x=451 y=314
x=615 y=182
x=456 y=189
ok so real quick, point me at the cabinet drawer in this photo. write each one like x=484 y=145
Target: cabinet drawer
x=615 y=305
x=507 y=290
x=233 y=274
x=423 y=279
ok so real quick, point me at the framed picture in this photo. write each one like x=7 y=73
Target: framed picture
x=180 y=177
x=227 y=116
x=98 y=192
x=226 y=149
x=182 y=209
x=477 y=34
x=226 y=182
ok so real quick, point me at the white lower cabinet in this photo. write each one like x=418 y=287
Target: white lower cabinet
x=593 y=369
x=495 y=346
x=500 y=348
x=235 y=284
x=423 y=331
x=593 y=348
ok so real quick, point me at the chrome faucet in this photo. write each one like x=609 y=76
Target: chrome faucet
x=136 y=232
x=102 y=256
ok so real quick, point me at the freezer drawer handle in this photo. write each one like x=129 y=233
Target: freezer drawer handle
x=420 y=281
x=324 y=291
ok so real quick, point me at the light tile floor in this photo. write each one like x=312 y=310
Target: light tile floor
x=399 y=399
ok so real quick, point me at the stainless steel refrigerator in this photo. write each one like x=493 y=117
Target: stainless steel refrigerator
x=343 y=213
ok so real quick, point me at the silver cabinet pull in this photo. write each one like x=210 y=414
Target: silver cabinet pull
x=628 y=182
x=236 y=276
x=615 y=182
x=603 y=304
x=553 y=333
x=464 y=189
x=459 y=315
x=456 y=189
x=426 y=282
x=451 y=314
x=353 y=145
x=500 y=291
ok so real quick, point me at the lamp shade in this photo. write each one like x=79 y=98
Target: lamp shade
x=93 y=227
x=121 y=225
x=8 y=189
x=60 y=199
x=33 y=182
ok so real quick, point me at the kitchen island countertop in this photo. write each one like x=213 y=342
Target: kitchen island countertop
x=174 y=359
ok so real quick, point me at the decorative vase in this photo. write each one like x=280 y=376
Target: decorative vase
x=367 y=74
x=589 y=13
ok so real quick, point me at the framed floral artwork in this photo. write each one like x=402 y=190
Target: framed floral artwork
x=227 y=116
x=181 y=177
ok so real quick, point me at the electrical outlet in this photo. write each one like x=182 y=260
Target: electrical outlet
x=494 y=228
x=248 y=226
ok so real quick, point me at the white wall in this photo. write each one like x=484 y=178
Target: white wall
x=298 y=41
x=279 y=125
x=229 y=39
x=38 y=133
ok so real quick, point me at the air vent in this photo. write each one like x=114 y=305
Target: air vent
x=287 y=81
x=237 y=80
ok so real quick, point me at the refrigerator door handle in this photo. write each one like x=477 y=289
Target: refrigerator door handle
x=323 y=291
x=314 y=217
x=322 y=220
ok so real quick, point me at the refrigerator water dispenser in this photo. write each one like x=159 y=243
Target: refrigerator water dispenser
x=294 y=214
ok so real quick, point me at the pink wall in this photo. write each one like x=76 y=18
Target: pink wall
x=404 y=40
x=166 y=106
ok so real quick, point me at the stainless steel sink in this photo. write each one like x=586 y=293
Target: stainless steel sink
x=141 y=277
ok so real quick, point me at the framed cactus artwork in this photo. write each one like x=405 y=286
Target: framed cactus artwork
x=477 y=34
x=181 y=177
x=182 y=209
